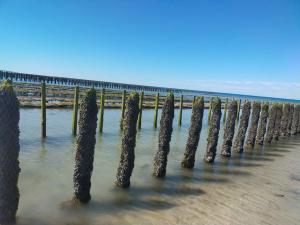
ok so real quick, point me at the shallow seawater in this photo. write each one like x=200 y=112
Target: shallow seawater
x=260 y=186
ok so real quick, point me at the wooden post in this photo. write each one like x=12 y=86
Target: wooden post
x=101 y=111
x=75 y=111
x=238 y=110
x=210 y=107
x=225 y=110
x=156 y=110
x=194 y=99
x=43 y=109
x=180 y=111
x=141 y=110
x=123 y=108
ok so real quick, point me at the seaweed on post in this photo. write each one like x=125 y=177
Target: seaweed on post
x=229 y=129
x=285 y=119
x=128 y=141
x=277 y=122
x=262 y=127
x=256 y=107
x=271 y=123
x=243 y=126
x=194 y=133
x=213 y=132
x=9 y=153
x=165 y=134
x=85 y=148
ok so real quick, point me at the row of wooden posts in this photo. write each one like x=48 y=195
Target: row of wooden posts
x=265 y=125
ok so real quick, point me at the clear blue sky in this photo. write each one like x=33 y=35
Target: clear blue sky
x=238 y=46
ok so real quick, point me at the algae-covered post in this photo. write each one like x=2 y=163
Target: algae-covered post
x=85 y=147
x=43 y=109
x=165 y=133
x=244 y=121
x=101 y=111
x=123 y=108
x=128 y=141
x=285 y=119
x=180 y=111
x=277 y=122
x=194 y=133
x=213 y=132
x=291 y=114
x=225 y=110
x=271 y=123
x=75 y=111
x=256 y=107
x=229 y=129
x=9 y=153
x=262 y=127
x=210 y=108
x=140 y=110
x=156 y=110
x=239 y=109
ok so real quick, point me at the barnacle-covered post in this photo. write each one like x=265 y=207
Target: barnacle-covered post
x=75 y=111
x=85 y=147
x=225 y=110
x=295 y=122
x=9 y=153
x=165 y=133
x=128 y=141
x=291 y=114
x=123 y=108
x=213 y=132
x=194 y=133
x=156 y=110
x=180 y=111
x=101 y=111
x=229 y=129
x=271 y=123
x=285 y=119
x=243 y=126
x=43 y=109
x=141 y=110
x=277 y=122
x=238 y=110
x=210 y=108
x=252 y=131
x=262 y=127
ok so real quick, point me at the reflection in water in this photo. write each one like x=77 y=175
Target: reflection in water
x=255 y=187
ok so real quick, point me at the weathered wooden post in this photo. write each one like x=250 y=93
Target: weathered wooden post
x=285 y=119
x=256 y=107
x=244 y=121
x=225 y=110
x=277 y=122
x=229 y=129
x=289 y=127
x=194 y=133
x=141 y=110
x=180 y=111
x=295 y=122
x=262 y=127
x=128 y=141
x=210 y=108
x=123 y=108
x=101 y=111
x=271 y=123
x=43 y=109
x=156 y=110
x=213 y=132
x=75 y=111
x=165 y=133
x=238 y=110
x=9 y=153
x=86 y=141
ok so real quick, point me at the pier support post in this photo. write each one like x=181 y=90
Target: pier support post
x=123 y=108
x=75 y=111
x=128 y=141
x=180 y=111
x=262 y=127
x=271 y=123
x=9 y=153
x=285 y=119
x=86 y=141
x=156 y=110
x=165 y=133
x=244 y=121
x=225 y=110
x=194 y=133
x=101 y=111
x=295 y=123
x=141 y=110
x=229 y=129
x=213 y=132
x=239 y=109
x=210 y=108
x=277 y=122
x=43 y=110
x=256 y=107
